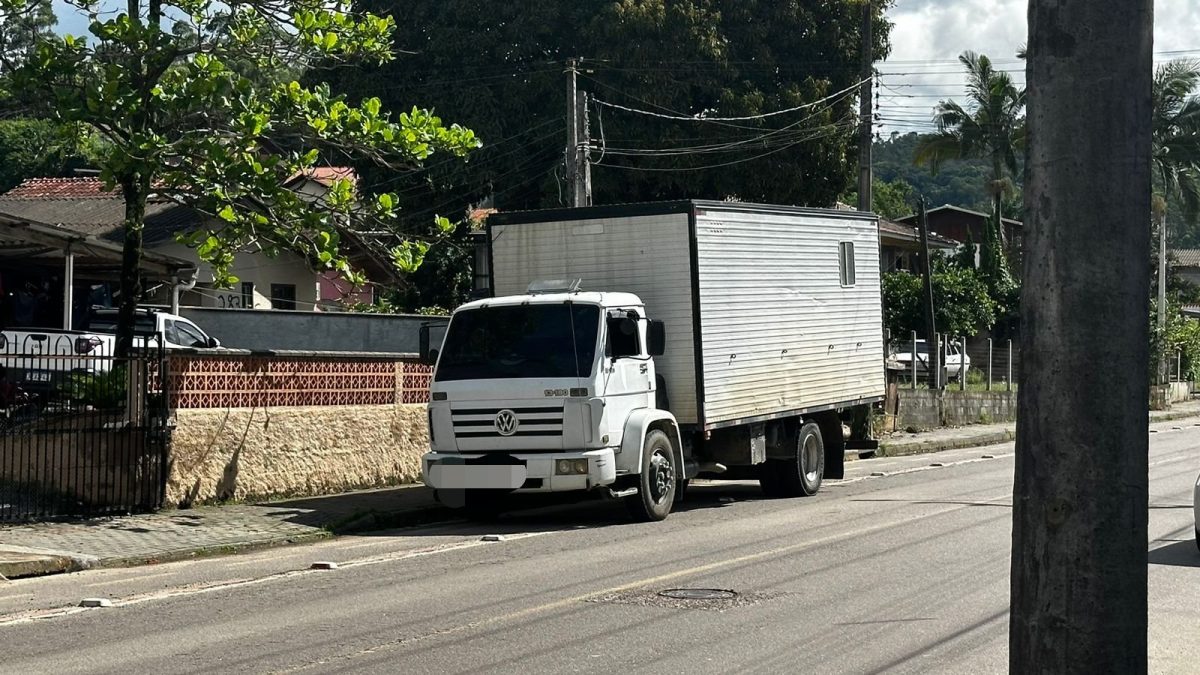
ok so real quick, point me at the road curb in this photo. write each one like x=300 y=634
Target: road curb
x=192 y=553
x=34 y=564
x=373 y=521
x=38 y=565
x=915 y=447
x=903 y=448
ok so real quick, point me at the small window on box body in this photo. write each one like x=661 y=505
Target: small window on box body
x=846 y=263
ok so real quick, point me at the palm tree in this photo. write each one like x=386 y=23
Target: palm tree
x=1176 y=134
x=1175 y=160
x=991 y=125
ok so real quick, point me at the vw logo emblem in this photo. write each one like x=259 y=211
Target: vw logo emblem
x=507 y=423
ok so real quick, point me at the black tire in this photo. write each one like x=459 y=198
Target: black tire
x=657 y=482
x=798 y=476
x=1198 y=538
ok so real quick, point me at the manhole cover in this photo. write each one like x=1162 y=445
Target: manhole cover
x=698 y=594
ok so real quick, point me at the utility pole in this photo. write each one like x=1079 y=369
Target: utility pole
x=865 y=117
x=1159 y=209
x=579 y=172
x=931 y=341
x=1081 y=493
x=583 y=161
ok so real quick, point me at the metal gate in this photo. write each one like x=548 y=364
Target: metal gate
x=82 y=432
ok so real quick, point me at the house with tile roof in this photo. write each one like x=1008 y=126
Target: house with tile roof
x=962 y=224
x=1186 y=262
x=88 y=219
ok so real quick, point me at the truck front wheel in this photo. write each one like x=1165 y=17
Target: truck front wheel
x=657 y=482
x=801 y=474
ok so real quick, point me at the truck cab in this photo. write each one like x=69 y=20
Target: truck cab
x=552 y=391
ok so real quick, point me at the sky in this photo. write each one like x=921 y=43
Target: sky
x=928 y=36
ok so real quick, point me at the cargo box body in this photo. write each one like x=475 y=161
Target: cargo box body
x=770 y=311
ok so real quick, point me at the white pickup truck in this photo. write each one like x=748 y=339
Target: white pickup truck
x=37 y=359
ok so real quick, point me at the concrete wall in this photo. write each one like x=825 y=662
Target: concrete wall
x=1163 y=395
x=924 y=409
x=312 y=331
x=256 y=453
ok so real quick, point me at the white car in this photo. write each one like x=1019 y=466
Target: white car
x=954 y=362
x=1196 y=510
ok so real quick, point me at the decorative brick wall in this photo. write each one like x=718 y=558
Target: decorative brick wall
x=252 y=426
x=262 y=381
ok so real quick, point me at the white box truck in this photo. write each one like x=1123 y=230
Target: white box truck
x=705 y=338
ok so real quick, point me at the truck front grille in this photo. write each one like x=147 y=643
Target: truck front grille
x=488 y=422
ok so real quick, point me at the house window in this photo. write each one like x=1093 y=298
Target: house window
x=283 y=296
x=846 y=263
x=247 y=295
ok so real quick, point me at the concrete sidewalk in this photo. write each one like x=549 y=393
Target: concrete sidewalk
x=952 y=438
x=47 y=548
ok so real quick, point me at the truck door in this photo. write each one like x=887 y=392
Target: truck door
x=628 y=369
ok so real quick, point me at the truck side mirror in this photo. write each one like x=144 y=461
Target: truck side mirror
x=428 y=354
x=657 y=338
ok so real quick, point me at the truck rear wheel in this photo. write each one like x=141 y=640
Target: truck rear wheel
x=657 y=482
x=800 y=475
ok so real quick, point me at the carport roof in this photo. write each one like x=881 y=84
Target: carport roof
x=33 y=241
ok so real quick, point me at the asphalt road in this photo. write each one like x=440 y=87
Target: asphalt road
x=902 y=572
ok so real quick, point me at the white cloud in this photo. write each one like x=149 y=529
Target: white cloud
x=928 y=35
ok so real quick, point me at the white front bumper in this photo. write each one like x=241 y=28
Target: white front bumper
x=534 y=472
x=1196 y=510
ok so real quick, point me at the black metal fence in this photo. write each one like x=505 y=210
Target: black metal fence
x=82 y=432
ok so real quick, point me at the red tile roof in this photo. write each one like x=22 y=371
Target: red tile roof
x=61 y=188
x=480 y=214
x=325 y=175
x=1186 y=257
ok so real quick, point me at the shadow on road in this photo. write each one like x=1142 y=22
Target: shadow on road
x=382 y=512
x=1177 y=554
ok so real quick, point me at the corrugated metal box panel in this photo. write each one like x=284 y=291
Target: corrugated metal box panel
x=779 y=331
x=645 y=255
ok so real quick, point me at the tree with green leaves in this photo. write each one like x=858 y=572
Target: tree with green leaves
x=173 y=88
x=1176 y=134
x=21 y=30
x=891 y=199
x=38 y=147
x=990 y=125
x=962 y=302
x=694 y=59
x=1175 y=163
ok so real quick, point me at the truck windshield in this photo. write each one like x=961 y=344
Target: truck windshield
x=520 y=341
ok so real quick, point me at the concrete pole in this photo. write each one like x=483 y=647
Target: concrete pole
x=68 y=288
x=1161 y=366
x=865 y=121
x=989 y=381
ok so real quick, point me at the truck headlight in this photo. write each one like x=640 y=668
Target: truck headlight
x=571 y=467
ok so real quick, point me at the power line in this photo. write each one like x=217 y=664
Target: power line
x=718 y=165
x=765 y=140
x=744 y=118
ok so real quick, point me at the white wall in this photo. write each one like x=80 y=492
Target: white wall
x=286 y=268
